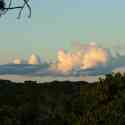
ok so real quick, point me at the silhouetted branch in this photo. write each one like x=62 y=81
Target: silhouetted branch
x=19 y=15
x=4 y=9
x=28 y=6
x=14 y=7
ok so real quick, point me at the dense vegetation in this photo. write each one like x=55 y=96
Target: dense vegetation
x=39 y=104
x=103 y=103
x=63 y=103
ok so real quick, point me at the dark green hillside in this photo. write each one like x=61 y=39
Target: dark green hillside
x=63 y=103
x=103 y=103
x=39 y=104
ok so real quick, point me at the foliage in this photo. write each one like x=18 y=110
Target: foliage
x=104 y=102
x=30 y=103
x=63 y=103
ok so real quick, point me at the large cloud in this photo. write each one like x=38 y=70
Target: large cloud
x=85 y=57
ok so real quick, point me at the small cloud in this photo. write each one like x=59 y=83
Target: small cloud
x=34 y=59
x=17 y=61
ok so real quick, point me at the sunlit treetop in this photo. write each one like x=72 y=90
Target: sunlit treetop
x=5 y=6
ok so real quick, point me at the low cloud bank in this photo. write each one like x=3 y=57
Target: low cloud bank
x=85 y=60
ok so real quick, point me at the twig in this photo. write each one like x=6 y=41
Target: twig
x=18 y=7
x=26 y=2
x=19 y=15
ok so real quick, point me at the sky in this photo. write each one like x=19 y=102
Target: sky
x=57 y=24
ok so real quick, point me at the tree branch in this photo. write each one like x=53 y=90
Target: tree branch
x=19 y=15
x=18 y=7
x=4 y=9
x=26 y=2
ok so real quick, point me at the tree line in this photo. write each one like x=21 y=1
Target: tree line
x=63 y=103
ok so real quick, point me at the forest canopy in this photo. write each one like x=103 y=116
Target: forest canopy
x=63 y=103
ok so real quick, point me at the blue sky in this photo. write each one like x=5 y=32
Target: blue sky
x=58 y=23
